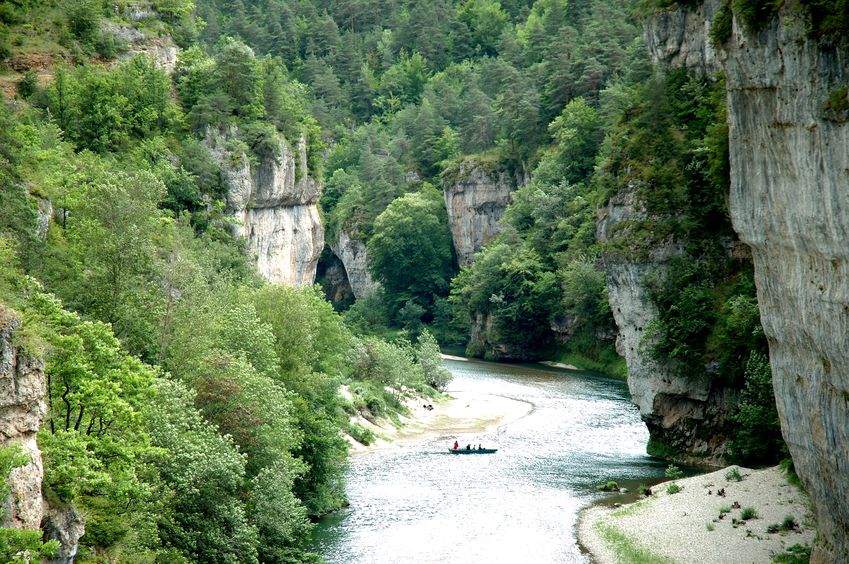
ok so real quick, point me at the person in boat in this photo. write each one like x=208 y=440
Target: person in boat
x=469 y=446
x=479 y=446
x=456 y=445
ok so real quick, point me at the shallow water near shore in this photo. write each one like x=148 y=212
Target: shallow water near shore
x=419 y=503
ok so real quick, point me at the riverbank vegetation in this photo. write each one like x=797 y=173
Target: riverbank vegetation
x=194 y=412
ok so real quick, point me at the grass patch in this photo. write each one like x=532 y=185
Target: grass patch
x=734 y=475
x=710 y=526
x=796 y=554
x=673 y=488
x=788 y=524
x=630 y=510
x=748 y=513
x=790 y=470
x=724 y=509
x=625 y=548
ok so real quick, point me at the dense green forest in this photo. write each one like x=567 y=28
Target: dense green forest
x=194 y=412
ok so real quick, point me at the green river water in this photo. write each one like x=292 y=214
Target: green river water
x=421 y=504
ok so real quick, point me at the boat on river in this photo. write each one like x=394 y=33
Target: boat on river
x=472 y=450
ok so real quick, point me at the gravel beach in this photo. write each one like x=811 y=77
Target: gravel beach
x=464 y=415
x=686 y=527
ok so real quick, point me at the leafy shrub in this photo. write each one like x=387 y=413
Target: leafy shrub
x=608 y=486
x=673 y=488
x=828 y=20
x=757 y=437
x=674 y=472
x=83 y=20
x=361 y=434
x=28 y=84
x=789 y=523
x=756 y=14
x=710 y=526
x=720 y=31
x=724 y=509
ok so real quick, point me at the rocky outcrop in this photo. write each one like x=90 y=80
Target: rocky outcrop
x=66 y=525
x=274 y=203
x=681 y=38
x=485 y=341
x=686 y=414
x=22 y=411
x=790 y=202
x=476 y=199
x=354 y=256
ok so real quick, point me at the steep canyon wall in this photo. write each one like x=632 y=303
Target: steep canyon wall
x=687 y=415
x=789 y=202
x=476 y=199
x=274 y=202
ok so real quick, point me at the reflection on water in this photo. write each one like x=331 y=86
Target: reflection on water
x=421 y=504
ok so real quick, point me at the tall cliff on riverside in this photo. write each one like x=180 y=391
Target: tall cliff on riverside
x=789 y=201
x=273 y=200
x=687 y=413
x=476 y=198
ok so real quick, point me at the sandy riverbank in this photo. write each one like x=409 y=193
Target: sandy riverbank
x=685 y=527
x=462 y=415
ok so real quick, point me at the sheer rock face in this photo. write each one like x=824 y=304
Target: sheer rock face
x=681 y=38
x=790 y=202
x=688 y=413
x=475 y=202
x=274 y=204
x=22 y=411
x=354 y=256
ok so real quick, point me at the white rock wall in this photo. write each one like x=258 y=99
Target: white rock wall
x=354 y=256
x=274 y=204
x=475 y=203
x=22 y=411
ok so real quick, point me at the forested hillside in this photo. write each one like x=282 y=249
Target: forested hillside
x=192 y=409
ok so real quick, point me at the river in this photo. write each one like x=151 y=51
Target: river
x=421 y=504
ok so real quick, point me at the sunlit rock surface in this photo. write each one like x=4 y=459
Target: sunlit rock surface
x=273 y=202
x=354 y=256
x=476 y=199
x=22 y=411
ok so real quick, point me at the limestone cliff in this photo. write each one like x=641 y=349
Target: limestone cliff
x=273 y=201
x=790 y=202
x=22 y=410
x=476 y=199
x=354 y=256
x=686 y=414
